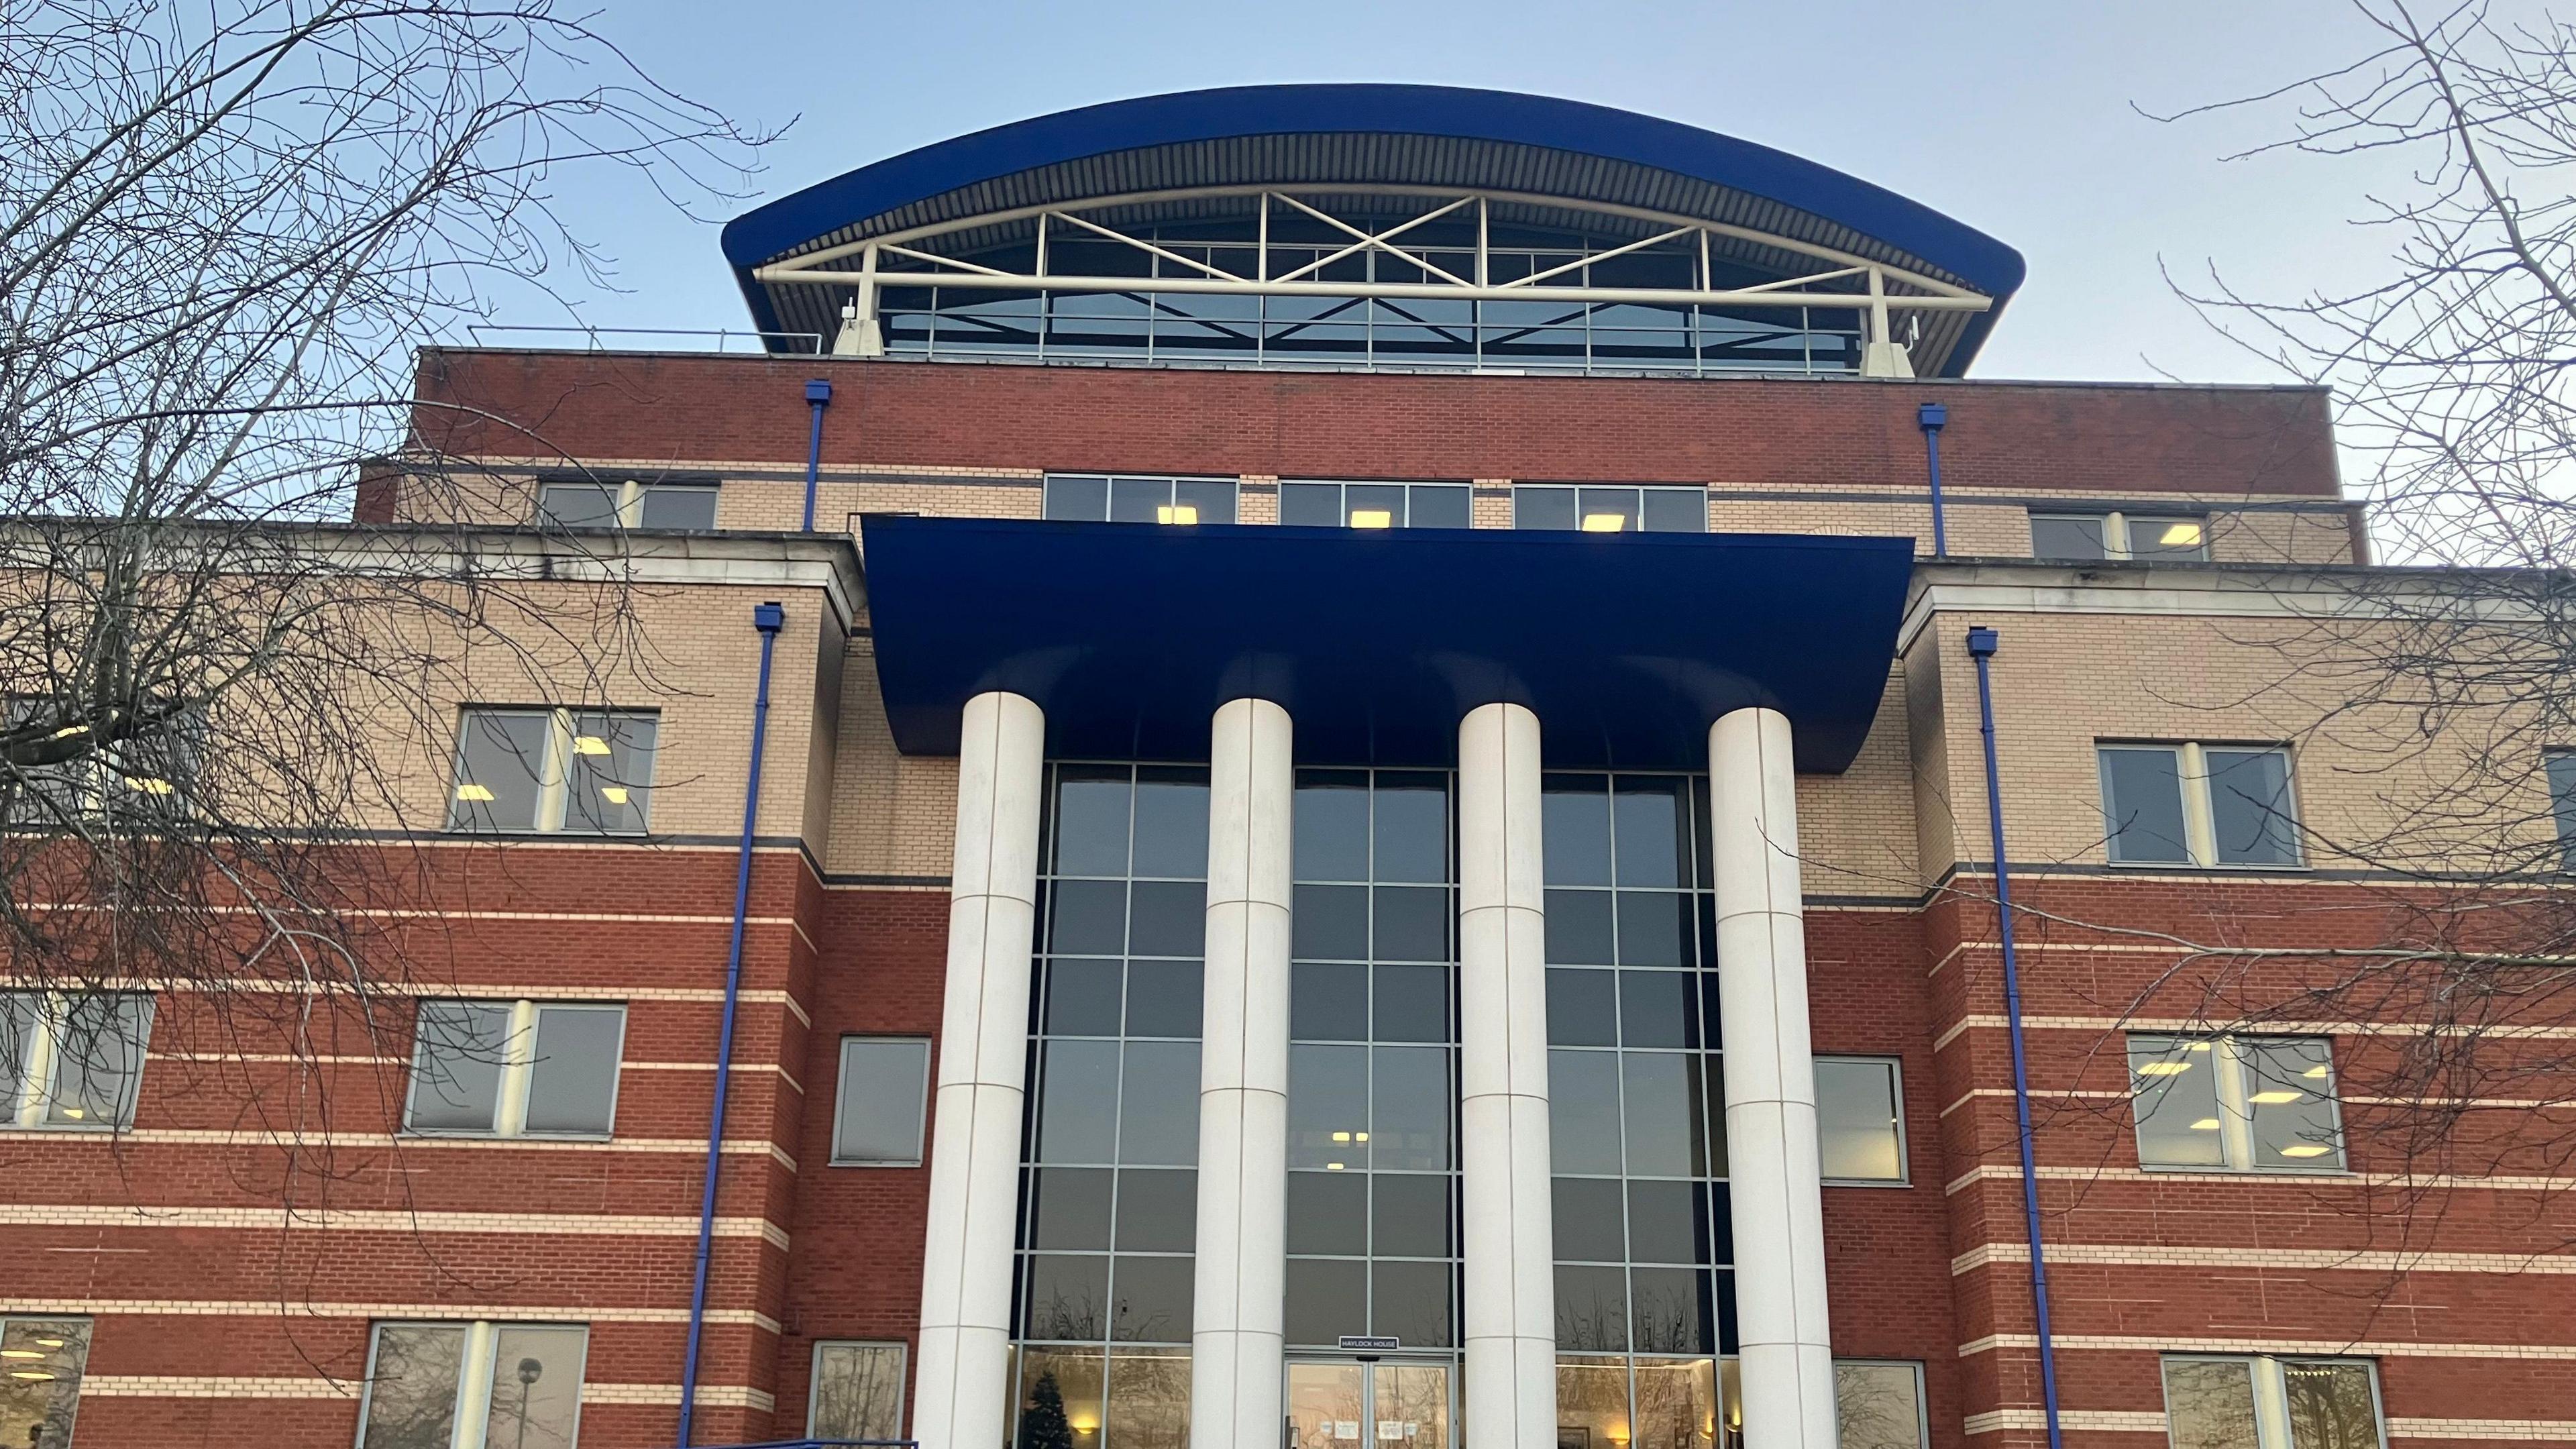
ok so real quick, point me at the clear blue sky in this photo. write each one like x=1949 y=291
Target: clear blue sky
x=2016 y=118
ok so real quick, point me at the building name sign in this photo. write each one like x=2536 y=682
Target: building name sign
x=1369 y=1344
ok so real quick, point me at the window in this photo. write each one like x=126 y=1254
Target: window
x=1109 y=1220
x=1860 y=1119
x=2236 y=1103
x=2118 y=535
x=2561 y=769
x=2272 y=1403
x=1880 y=1405
x=2199 y=805
x=72 y=1059
x=40 y=1391
x=858 y=1391
x=515 y=1069
x=554 y=770
x=877 y=1117
x=142 y=782
x=599 y=504
x=473 y=1386
x=1374 y=505
x=1612 y=510
x=1119 y=498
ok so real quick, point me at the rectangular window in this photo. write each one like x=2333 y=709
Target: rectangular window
x=858 y=1391
x=1123 y=498
x=2560 y=766
x=1879 y=1405
x=1860 y=1119
x=1611 y=510
x=877 y=1114
x=1374 y=505
x=473 y=1386
x=589 y=503
x=2199 y=805
x=2080 y=537
x=515 y=1069
x=579 y=770
x=2236 y=1103
x=141 y=783
x=72 y=1059
x=40 y=1391
x=2272 y=1403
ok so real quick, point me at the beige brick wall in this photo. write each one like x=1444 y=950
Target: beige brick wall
x=1856 y=830
x=892 y=814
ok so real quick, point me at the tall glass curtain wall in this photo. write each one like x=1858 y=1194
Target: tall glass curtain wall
x=1109 y=1205
x=956 y=322
x=1644 y=1296
x=1372 y=1061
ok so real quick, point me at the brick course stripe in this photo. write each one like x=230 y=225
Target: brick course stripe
x=2323 y=1347
x=185 y=1136
x=2134 y=1421
x=1995 y=1254
x=2428 y=1182
x=102 y=1215
x=427 y=1312
x=212 y=1386
x=2289 y=1028
x=2547 y=1430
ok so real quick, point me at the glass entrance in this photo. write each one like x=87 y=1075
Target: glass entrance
x=1389 y=1404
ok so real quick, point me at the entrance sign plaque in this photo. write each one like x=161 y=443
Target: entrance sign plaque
x=1367 y=1343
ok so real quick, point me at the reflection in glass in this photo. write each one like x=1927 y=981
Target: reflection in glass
x=1149 y=1400
x=99 y=1041
x=40 y=1394
x=411 y=1386
x=536 y=1387
x=2142 y=798
x=1060 y=1396
x=456 y=1066
x=2333 y=1405
x=858 y=1391
x=1677 y=1404
x=572 y=1083
x=2174 y=1084
x=2209 y=1403
x=1856 y=1122
x=2249 y=807
x=1879 y=1405
x=2289 y=1089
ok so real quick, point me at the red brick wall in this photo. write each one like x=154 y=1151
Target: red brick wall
x=1752 y=432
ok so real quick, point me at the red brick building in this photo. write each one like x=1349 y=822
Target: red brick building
x=1372 y=826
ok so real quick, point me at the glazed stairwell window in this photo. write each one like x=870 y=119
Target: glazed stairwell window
x=2236 y=1103
x=547 y=770
x=1860 y=1121
x=877 y=1113
x=2262 y=1402
x=72 y=1060
x=1374 y=505
x=1139 y=498
x=1611 y=510
x=473 y=1386
x=857 y=1393
x=515 y=1069
x=600 y=503
x=2199 y=805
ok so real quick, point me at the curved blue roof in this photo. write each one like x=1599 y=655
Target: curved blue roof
x=1847 y=205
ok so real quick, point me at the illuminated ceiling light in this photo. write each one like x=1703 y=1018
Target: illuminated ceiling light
x=613 y=794
x=19 y=1353
x=2205 y=1124
x=470 y=791
x=1372 y=518
x=1604 y=522
x=67 y=731
x=1341 y=1137
x=2179 y=535
x=2316 y=1073
x=2200 y=1046
x=1332 y=1167
x=2306 y=1149
x=1176 y=513
x=2164 y=1069
x=589 y=745
x=32 y=1375
x=1361 y=1136
x=50 y=1342
x=75 y=1113
x=150 y=786
x=2275 y=1098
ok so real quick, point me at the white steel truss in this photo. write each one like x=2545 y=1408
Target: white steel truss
x=905 y=259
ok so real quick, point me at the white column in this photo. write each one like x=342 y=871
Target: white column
x=961 y=1367
x=1771 y=1154
x=1510 y=1247
x=1236 y=1329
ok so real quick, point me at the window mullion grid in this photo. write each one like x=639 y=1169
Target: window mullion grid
x=554 y=772
x=2271 y=1404
x=43 y=1049
x=2115 y=535
x=630 y=504
x=474 y=1387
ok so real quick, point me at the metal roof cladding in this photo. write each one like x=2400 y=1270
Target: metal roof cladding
x=1309 y=135
x=1377 y=642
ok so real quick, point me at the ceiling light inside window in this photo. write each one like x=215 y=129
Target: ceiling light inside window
x=33 y=1375
x=471 y=791
x=613 y=794
x=2180 y=535
x=1176 y=513
x=2164 y=1069
x=1604 y=522
x=589 y=745
x=2205 y=1124
x=19 y=1353
x=1332 y=1167
x=1341 y=1137
x=2276 y=1098
x=1372 y=518
x=2317 y=1072
x=2306 y=1149
x=149 y=786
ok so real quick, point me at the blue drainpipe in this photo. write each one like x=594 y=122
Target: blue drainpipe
x=768 y=619
x=819 y=393
x=1931 y=418
x=1981 y=647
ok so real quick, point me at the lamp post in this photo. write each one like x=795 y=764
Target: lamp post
x=529 y=1372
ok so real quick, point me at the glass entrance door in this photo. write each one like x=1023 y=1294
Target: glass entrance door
x=1389 y=1404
